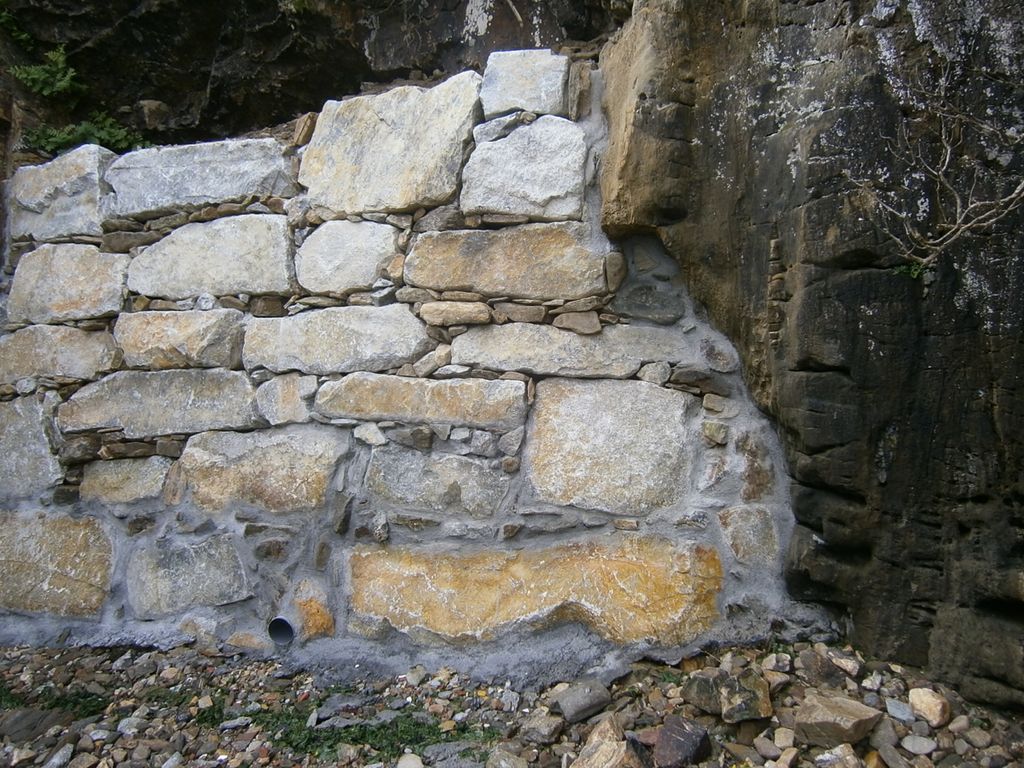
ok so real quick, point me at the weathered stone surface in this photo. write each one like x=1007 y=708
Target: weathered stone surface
x=455 y=313
x=533 y=81
x=27 y=465
x=157 y=340
x=506 y=311
x=147 y=404
x=609 y=586
x=286 y=399
x=124 y=480
x=55 y=565
x=237 y=254
x=336 y=340
x=681 y=742
x=931 y=706
x=534 y=261
x=62 y=197
x=166 y=577
x=582 y=699
x=536 y=171
x=55 y=283
x=745 y=696
x=617 y=352
x=750 y=534
x=438 y=483
x=395 y=151
x=459 y=402
x=345 y=256
x=55 y=350
x=612 y=445
x=314 y=612
x=828 y=721
x=288 y=469
x=578 y=322
x=198 y=174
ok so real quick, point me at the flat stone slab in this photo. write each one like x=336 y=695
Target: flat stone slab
x=55 y=350
x=395 y=151
x=286 y=399
x=533 y=81
x=617 y=352
x=152 y=403
x=536 y=171
x=476 y=403
x=533 y=261
x=336 y=340
x=60 y=198
x=124 y=481
x=609 y=586
x=159 y=340
x=340 y=257
x=442 y=483
x=27 y=464
x=55 y=283
x=288 y=469
x=236 y=254
x=828 y=721
x=193 y=175
x=56 y=565
x=166 y=577
x=617 y=446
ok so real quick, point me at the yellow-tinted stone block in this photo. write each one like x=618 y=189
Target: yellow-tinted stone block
x=627 y=590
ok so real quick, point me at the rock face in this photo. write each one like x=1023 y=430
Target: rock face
x=395 y=151
x=238 y=254
x=57 y=565
x=158 y=340
x=55 y=283
x=27 y=464
x=610 y=587
x=54 y=350
x=344 y=256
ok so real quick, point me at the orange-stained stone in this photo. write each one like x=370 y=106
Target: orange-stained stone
x=315 y=617
x=627 y=590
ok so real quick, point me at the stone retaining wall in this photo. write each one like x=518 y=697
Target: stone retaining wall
x=391 y=378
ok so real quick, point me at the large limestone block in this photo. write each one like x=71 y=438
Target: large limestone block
x=56 y=565
x=157 y=340
x=60 y=198
x=166 y=577
x=345 y=256
x=55 y=350
x=198 y=174
x=463 y=402
x=618 y=446
x=628 y=590
x=147 y=404
x=396 y=151
x=124 y=481
x=237 y=254
x=336 y=340
x=534 y=261
x=438 y=483
x=534 y=81
x=55 y=283
x=27 y=465
x=617 y=352
x=537 y=171
x=289 y=469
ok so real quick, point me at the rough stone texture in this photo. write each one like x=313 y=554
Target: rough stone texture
x=609 y=586
x=166 y=577
x=533 y=81
x=147 y=404
x=60 y=198
x=750 y=534
x=336 y=340
x=460 y=402
x=156 y=178
x=26 y=464
x=289 y=469
x=439 y=483
x=455 y=313
x=345 y=256
x=286 y=398
x=396 y=151
x=236 y=254
x=610 y=445
x=54 y=565
x=537 y=171
x=828 y=721
x=55 y=350
x=124 y=481
x=55 y=283
x=157 y=340
x=535 y=261
x=617 y=352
